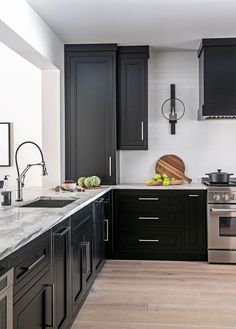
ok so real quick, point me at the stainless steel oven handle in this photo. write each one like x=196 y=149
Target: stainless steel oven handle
x=222 y=210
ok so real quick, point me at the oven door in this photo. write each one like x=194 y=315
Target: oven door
x=6 y=301
x=222 y=227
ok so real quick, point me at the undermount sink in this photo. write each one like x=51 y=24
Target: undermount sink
x=48 y=202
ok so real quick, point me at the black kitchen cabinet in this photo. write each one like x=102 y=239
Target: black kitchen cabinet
x=195 y=223
x=90 y=91
x=108 y=224
x=81 y=258
x=158 y=224
x=132 y=97
x=35 y=308
x=217 y=77
x=98 y=228
x=61 y=273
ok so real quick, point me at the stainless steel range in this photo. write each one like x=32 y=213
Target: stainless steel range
x=222 y=223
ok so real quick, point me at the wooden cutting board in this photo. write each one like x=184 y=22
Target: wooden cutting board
x=173 y=166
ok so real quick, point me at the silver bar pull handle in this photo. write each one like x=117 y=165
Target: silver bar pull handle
x=50 y=305
x=148 y=240
x=106 y=238
x=142 y=133
x=193 y=195
x=66 y=229
x=110 y=166
x=86 y=268
x=222 y=210
x=146 y=218
x=35 y=263
x=148 y=199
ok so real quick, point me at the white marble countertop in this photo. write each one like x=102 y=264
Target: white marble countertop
x=19 y=225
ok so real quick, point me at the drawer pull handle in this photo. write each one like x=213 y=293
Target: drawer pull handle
x=148 y=199
x=86 y=268
x=35 y=263
x=142 y=134
x=154 y=218
x=106 y=238
x=193 y=195
x=66 y=229
x=110 y=166
x=148 y=240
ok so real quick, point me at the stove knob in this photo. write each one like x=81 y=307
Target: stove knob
x=216 y=197
x=226 y=197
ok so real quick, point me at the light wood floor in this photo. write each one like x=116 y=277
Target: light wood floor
x=161 y=295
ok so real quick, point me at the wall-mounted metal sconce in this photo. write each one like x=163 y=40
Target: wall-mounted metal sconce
x=173 y=109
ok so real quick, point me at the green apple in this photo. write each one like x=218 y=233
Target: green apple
x=173 y=179
x=164 y=176
x=157 y=177
x=166 y=182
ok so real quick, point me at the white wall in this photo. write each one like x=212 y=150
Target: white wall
x=203 y=145
x=20 y=104
x=22 y=29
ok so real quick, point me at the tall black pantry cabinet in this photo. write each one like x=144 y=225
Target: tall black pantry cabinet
x=90 y=91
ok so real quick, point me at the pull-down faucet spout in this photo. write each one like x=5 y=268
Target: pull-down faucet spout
x=21 y=176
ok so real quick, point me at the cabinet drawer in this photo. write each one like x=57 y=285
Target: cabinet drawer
x=152 y=241
x=30 y=260
x=144 y=218
x=150 y=199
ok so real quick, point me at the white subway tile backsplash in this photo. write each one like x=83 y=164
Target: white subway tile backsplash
x=203 y=145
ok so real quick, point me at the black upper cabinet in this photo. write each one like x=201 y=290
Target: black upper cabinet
x=217 y=74
x=90 y=86
x=132 y=97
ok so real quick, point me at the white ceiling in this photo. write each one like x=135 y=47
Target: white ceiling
x=178 y=24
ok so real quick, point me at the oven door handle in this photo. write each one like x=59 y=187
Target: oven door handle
x=222 y=210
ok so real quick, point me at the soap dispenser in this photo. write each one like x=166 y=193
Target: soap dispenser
x=5 y=194
x=5 y=182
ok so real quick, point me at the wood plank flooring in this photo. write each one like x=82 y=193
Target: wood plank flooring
x=161 y=295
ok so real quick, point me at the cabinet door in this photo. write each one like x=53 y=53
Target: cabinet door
x=77 y=269
x=34 y=309
x=91 y=113
x=108 y=225
x=132 y=98
x=61 y=275
x=87 y=244
x=81 y=263
x=195 y=222
x=98 y=227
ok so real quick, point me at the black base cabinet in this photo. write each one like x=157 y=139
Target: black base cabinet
x=34 y=309
x=98 y=227
x=54 y=273
x=81 y=256
x=157 y=224
x=195 y=223
x=61 y=274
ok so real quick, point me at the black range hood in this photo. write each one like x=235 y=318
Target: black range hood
x=217 y=79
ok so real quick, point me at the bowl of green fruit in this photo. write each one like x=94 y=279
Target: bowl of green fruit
x=163 y=179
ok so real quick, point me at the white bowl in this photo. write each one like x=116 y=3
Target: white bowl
x=69 y=186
